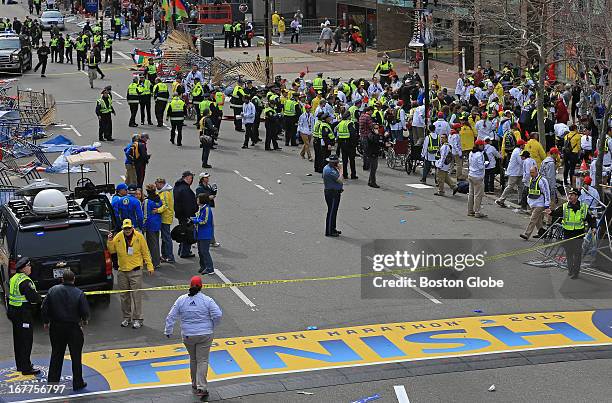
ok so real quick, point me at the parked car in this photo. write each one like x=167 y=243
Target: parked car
x=15 y=53
x=51 y=18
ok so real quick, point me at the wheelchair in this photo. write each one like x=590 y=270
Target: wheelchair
x=398 y=154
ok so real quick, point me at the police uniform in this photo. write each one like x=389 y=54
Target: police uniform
x=144 y=89
x=108 y=50
x=271 y=125
x=384 y=69
x=333 y=189
x=104 y=108
x=197 y=95
x=236 y=104
x=291 y=115
x=347 y=145
x=22 y=293
x=133 y=99
x=160 y=95
x=228 y=33
x=175 y=111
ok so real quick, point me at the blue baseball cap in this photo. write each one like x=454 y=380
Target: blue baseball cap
x=122 y=186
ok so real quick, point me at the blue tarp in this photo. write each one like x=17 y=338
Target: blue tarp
x=56 y=144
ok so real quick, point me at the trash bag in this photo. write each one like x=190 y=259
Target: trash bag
x=463 y=187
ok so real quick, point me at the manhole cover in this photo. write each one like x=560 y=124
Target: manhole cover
x=407 y=207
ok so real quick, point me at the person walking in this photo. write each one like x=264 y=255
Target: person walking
x=64 y=311
x=43 y=54
x=144 y=91
x=431 y=147
x=204 y=230
x=185 y=207
x=207 y=137
x=476 y=175
x=374 y=145
x=515 y=174
x=333 y=182
x=281 y=30
x=575 y=220
x=175 y=112
x=326 y=37
x=132 y=255
x=92 y=68
x=538 y=197
x=152 y=223
x=133 y=100
x=199 y=315
x=305 y=126
x=210 y=191
x=22 y=294
x=272 y=125
x=104 y=109
x=167 y=216
x=443 y=165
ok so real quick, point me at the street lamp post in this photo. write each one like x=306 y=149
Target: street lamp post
x=267 y=39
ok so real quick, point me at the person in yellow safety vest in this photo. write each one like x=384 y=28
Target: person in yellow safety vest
x=238 y=34
x=384 y=68
x=377 y=116
x=97 y=40
x=328 y=138
x=319 y=84
x=104 y=108
x=133 y=99
x=228 y=33
x=347 y=144
x=117 y=30
x=575 y=220
x=354 y=111
x=68 y=45
x=54 y=52
x=22 y=294
x=144 y=90
x=175 y=112
x=151 y=70
x=197 y=95
x=177 y=86
x=108 y=50
x=37 y=4
x=291 y=114
x=92 y=68
x=161 y=96
x=236 y=102
x=316 y=143
x=216 y=113
x=81 y=49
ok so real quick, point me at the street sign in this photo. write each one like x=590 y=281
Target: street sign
x=243 y=8
x=91 y=6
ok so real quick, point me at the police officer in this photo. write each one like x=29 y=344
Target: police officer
x=108 y=50
x=133 y=99
x=144 y=89
x=319 y=160
x=22 y=293
x=575 y=217
x=347 y=143
x=175 y=112
x=228 y=33
x=151 y=72
x=117 y=30
x=271 y=124
x=197 y=95
x=327 y=136
x=319 y=84
x=104 y=108
x=160 y=96
x=68 y=45
x=63 y=311
x=291 y=113
x=333 y=182
x=53 y=43
x=236 y=102
x=81 y=49
x=384 y=68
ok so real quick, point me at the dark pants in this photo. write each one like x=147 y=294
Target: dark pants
x=43 y=64
x=337 y=45
x=37 y=5
x=133 y=112
x=108 y=55
x=364 y=147
x=249 y=135
x=291 y=130
x=229 y=39
x=373 y=162
x=81 y=59
x=117 y=33
x=160 y=107
x=54 y=54
x=62 y=335
x=319 y=159
x=69 y=55
x=573 y=254
x=140 y=174
x=237 y=121
x=105 y=127
x=184 y=249
x=426 y=169
x=145 y=106
x=176 y=127
x=569 y=166
x=206 y=262
x=205 y=154
x=385 y=80
x=99 y=71
x=271 y=135
x=295 y=35
x=22 y=344
x=238 y=40
x=489 y=180
x=347 y=149
x=166 y=242
x=332 y=198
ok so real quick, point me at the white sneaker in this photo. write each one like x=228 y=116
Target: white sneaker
x=215 y=244
x=125 y=323
x=137 y=324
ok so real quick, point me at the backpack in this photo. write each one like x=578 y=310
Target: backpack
x=567 y=144
x=510 y=141
x=449 y=157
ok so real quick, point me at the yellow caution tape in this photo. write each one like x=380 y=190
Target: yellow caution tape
x=500 y=256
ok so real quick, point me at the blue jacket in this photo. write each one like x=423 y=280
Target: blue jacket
x=128 y=154
x=128 y=207
x=152 y=221
x=203 y=223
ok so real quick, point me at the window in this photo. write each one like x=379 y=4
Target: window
x=42 y=242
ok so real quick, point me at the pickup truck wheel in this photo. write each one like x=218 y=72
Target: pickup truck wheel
x=21 y=69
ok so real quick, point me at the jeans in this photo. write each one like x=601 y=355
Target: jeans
x=206 y=263
x=152 y=238
x=426 y=169
x=166 y=243
x=332 y=199
x=373 y=163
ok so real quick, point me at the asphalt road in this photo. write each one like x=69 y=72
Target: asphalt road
x=271 y=230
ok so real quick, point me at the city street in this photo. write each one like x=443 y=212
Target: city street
x=270 y=219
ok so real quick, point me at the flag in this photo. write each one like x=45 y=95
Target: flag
x=166 y=7
x=139 y=56
x=181 y=10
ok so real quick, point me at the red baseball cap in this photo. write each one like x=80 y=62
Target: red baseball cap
x=196 y=281
x=479 y=142
x=440 y=114
x=302 y=74
x=307 y=106
x=587 y=180
x=554 y=150
x=521 y=142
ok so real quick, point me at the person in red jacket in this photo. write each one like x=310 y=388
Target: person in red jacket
x=561 y=113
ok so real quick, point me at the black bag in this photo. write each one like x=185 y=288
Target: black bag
x=463 y=187
x=183 y=233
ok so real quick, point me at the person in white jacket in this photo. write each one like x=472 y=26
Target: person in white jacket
x=515 y=174
x=476 y=175
x=460 y=87
x=492 y=156
x=538 y=197
x=528 y=163
x=248 y=118
x=444 y=164
x=548 y=169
